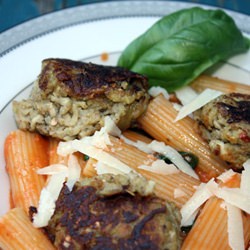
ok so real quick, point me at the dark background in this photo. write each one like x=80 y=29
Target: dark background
x=13 y=12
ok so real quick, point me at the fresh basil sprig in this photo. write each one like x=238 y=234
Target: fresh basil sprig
x=180 y=46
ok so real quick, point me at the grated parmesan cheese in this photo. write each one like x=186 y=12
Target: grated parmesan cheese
x=245 y=179
x=48 y=197
x=49 y=194
x=102 y=168
x=200 y=196
x=226 y=176
x=162 y=148
x=174 y=157
x=202 y=99
x=101 y=156
x=157 y=90
x=235 y=227
x=178 y=193
x=186 y=94
x=235 y=197
x=52 y=169
x=160 y=167
x=74 y=171
x=234 y=200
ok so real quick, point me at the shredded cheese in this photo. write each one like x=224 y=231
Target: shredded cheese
x=102 y=168
x=110 y=127
x=186 y=94
x=235 y=197
x=245 y=179
x=179 y=193
x=157 y=90
x=160 y=167
x=52 y=169
x=138 y=144
x=202 y=99
x=235 y=228
x=174 y=157
x=74 y=171
x=226 y=176
x=201 y=195
x=49 y=194
x=235 y=201
x=98 y=154
x=48 y=197
x=169 y=152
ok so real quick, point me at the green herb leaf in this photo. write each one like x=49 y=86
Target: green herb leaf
x=180 y=46
x=190 y=158
x=86 y=157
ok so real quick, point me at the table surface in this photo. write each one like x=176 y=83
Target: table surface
x=13 y=12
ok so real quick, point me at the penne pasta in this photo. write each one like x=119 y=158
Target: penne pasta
x=167 y=186
x=204 y=81
x=178 y=187
x=17 y=232
x=89 y=170
x=55 y=158
x=25 y=153
x=134 y=136
x=158 y=121
x=210 y=230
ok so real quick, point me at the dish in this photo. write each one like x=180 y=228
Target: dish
x=86 y=33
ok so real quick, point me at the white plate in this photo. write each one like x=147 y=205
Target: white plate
x=82 y=32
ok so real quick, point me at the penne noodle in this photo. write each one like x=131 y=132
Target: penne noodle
x=25 y=153
x=89 y=170
x=55 y=158
x=210 y=230
x=166 y=185
x=135 y=136
x=17 y=232
x=158 y=121
x=204 y=81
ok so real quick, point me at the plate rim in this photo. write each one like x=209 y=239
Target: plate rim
x=39 y=26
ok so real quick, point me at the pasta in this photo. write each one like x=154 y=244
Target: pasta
x=158 y=121
x=204 y=81
x=134 y=136
x=165 y=185
x=210 y=230
x=89 y=169
x=17 y=232
x=55 y=158
x=177 y=188
x=25 y=153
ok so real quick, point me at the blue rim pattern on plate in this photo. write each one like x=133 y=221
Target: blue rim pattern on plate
x=52 y=22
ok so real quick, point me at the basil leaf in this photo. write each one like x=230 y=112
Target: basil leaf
x=180 y=46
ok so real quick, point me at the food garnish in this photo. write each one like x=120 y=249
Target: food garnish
x=182 y=45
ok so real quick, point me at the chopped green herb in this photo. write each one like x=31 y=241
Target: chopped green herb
x=86 y=157
x=190 y=158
